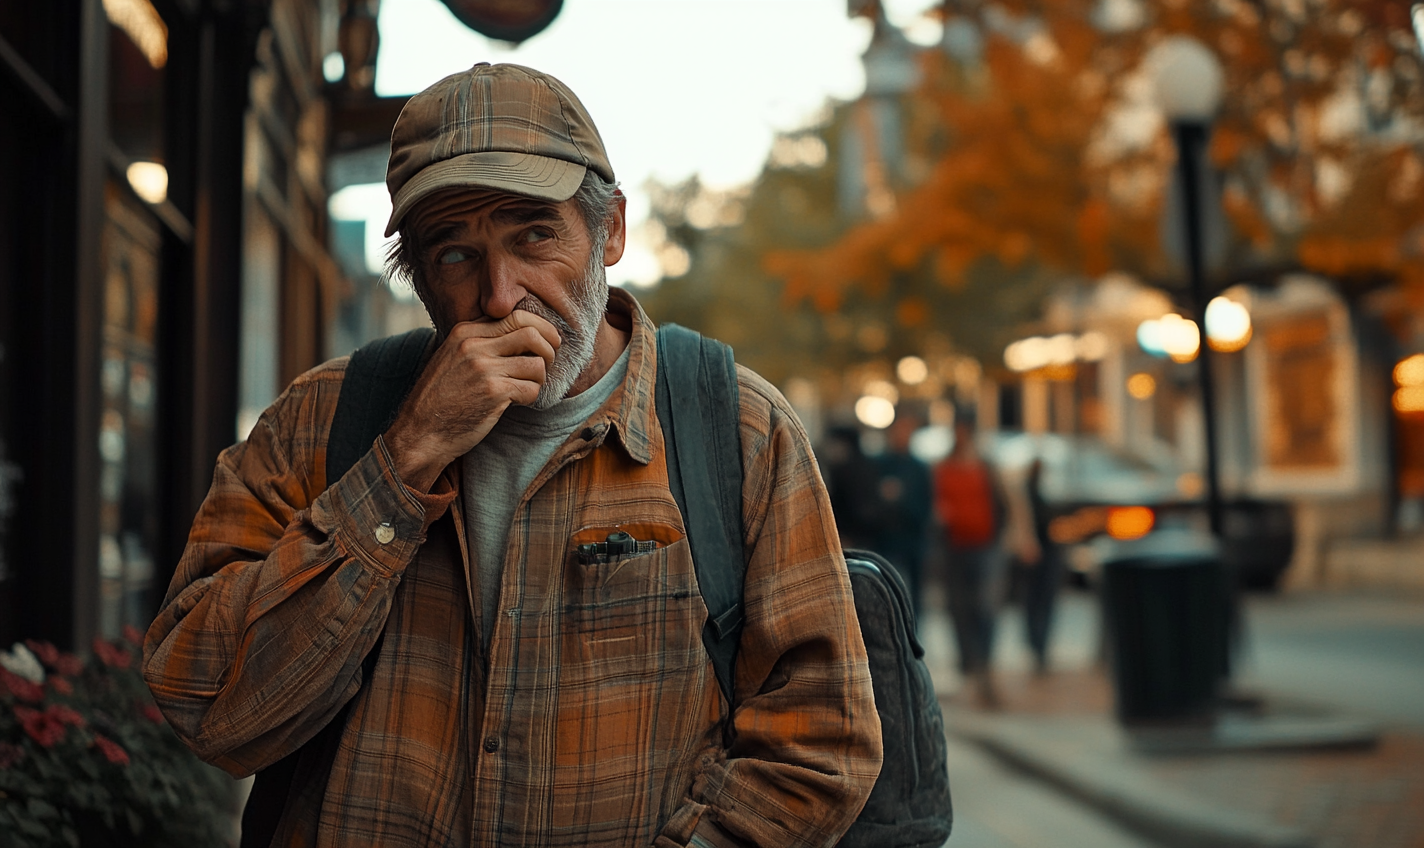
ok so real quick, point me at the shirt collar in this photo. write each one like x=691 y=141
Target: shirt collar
x=630 y=411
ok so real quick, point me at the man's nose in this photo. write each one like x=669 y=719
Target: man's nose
x=503 y=287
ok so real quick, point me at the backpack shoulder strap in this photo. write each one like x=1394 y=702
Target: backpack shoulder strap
x=378 y=377
x=697 y=406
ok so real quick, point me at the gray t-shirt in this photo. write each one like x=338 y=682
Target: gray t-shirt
x=500 y=468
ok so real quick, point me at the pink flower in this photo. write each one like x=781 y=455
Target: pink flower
x=20 y=687
x=42 y=727
x=68 y=665
x=111 y=750
x=48 y=654
x=65 y=715
x=152 y=713
x=133 y=635
x=60 y=685
x=112 y=655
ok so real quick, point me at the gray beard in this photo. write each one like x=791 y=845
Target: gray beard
x=590 y=300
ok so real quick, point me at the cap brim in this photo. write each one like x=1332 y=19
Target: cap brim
x=516 y=173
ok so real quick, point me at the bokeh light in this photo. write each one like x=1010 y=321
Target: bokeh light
x=1409 y=371
x=912 y=370
x=1180 y=337
x=875 y=412
x=149 y=181
x=1409 y=399
x=1142 y=385
x=1228 y=325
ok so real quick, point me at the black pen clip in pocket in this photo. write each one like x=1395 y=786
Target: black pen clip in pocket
x=618 y=544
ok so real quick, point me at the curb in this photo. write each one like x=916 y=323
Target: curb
x=1129 y=795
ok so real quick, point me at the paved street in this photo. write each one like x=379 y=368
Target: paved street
x=1347 y=655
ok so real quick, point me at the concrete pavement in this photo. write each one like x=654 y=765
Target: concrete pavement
x=1339 y=655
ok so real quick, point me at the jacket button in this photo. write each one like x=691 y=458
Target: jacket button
x=491 y=744
x=588 y=434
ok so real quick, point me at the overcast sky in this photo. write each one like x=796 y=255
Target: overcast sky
x=676 y=87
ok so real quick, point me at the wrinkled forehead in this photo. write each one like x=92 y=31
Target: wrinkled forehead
x=466 y=207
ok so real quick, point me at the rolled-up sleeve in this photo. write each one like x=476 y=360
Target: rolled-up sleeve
x=807 y=746
x=284 y=585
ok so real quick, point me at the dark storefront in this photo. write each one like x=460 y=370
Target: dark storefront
x=150 y=151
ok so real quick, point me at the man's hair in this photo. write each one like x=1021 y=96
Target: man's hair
x=595 y=203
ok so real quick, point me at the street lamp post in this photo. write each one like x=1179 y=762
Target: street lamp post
x=1188 y=80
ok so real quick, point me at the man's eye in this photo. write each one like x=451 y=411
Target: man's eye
x=533 y=236
x=450 y=257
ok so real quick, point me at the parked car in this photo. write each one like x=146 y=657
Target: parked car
x=1096 y=494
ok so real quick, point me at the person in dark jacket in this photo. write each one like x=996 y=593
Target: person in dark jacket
x=900 y=503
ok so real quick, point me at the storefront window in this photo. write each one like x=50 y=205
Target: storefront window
x=127 y=449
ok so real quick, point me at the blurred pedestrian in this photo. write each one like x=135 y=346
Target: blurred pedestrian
x=850 y=478
x=970 y=509
x=900 y=506
x=1040 y=563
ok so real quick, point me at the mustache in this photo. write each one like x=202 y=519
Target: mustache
x=534 y=305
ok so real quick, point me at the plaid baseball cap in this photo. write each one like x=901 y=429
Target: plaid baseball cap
x=503 y=127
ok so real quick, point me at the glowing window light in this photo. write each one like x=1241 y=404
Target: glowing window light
x=1409 y=399
x=1037 y=352
x=1027 y=354
x=1180 y=337
x=1060 y=349
x=1130 y=522
x=1228 y=325
x=142 y=23
x=912 y=370
x=1141 y=385
x=875 y=412
x=1091 y=346
x=149 y=181
x=1409 y=371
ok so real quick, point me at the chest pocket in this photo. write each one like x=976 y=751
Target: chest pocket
x=636 y=616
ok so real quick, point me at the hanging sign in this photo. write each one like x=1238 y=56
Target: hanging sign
x=506 y=20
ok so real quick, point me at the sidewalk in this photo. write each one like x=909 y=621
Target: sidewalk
x=1060 y=728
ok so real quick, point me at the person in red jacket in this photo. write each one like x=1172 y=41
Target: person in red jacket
x=969 y=507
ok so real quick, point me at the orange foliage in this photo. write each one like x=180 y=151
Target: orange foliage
x=912 y=312
x=1020 y=172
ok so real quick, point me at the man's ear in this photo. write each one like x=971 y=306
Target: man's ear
x=617 y=229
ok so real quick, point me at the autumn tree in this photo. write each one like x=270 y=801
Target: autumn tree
x=719 y=243
x=1051 y=153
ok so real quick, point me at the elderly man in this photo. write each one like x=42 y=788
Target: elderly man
x=518 y=696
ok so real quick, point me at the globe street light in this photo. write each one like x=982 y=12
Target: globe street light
x=1188 y=81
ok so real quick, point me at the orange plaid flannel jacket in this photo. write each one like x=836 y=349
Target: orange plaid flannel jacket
x=593 y=717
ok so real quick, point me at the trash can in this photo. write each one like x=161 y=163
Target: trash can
x=1166 y=610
